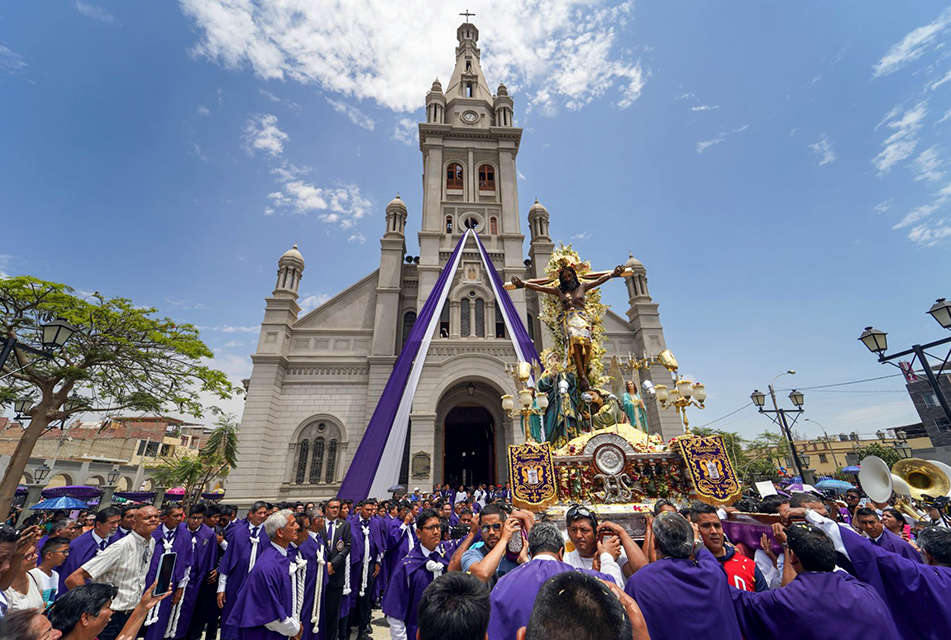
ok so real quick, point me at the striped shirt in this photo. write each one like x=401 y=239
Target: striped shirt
x=124 y=564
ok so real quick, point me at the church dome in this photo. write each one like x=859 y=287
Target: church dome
x=396 y=203
x=538 y=207
x=292 y=255
x=633 y=262
x=502 y=90
x=437 y=87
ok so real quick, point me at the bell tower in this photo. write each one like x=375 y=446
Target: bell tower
x=469 y=143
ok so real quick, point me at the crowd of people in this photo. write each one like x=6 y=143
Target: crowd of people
x=461 y=564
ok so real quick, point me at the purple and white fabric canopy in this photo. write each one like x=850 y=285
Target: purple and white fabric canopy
x=371 y=472
x=81 y=492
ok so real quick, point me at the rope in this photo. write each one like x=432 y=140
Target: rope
x=254 y=551
x=366 y=561
x=318 y=588
x=436 y=568
x=153 y=616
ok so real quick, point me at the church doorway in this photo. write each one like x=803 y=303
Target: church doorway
x=469 y=446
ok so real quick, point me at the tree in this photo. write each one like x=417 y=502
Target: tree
x=121 y=358
x=889 y=455
x=732 y=442
x=193 y=473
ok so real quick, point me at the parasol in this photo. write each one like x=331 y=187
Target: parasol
x=62 y=503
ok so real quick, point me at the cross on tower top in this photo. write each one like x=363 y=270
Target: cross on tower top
x=467 y=15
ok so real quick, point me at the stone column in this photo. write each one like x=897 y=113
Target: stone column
x=422 y=437
x=105 y=500
x=159 y=498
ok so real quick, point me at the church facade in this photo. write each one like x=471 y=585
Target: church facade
x=317 y=377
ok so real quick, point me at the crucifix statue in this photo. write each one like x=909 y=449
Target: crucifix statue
x=570 y=292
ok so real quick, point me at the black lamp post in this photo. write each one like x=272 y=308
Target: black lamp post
x=54 y=336
x=797 y=399
x=40 y=473
x=113 y=476
x=877 y=342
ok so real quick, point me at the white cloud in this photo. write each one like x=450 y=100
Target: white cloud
x=232 y=344
x=521 y=176
x=562 y=54
x=95 y=12
x=261 y=134
x=293 y=106
x=900 y=144
x=357 y=237
x=927 y=165
x=342 y=205
x=584 y=235
x=947 y=114
x=945 y=78
x=11 y=62
x=919 y=213
x=912 y=46
x=311 y=301
x=227 y=328
x=882 y=207
x=706 y=144
x=741 y=129
x=930 y=235
x=203 y=110
x=684 y=96
x=705 y=107
x=196 y=151
x=406 y=131
x=823 y=149
x=4 y=265
x=355 y=116
x=184 y=304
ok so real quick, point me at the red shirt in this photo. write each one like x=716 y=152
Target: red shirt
x=741 y=572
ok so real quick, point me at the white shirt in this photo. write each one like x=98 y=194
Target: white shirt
x=124 y=563
x=98 y=541
x=608 y=565
x=288 y=626
x=32 y=599
x=48 y=585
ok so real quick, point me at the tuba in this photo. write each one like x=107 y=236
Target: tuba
x=922 y=477
x=910 y=478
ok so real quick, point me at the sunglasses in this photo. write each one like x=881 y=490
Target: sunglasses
x=495 y=526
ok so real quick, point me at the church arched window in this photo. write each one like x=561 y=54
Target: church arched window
x=480 y=317
x=494 y=226
x=499 y=322
x=331 y=461
x=302 y=449
x=317 y=460
x=464 y=317
x=409 y=319
x=448 y=224
x=454 y=176
x=444 y=322
x=472 y=223
x=486 y=177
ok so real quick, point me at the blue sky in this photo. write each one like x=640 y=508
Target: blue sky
x=781 y=169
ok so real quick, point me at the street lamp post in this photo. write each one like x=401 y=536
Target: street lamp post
x=877 y=342
x=54 y=336
x=835 y=460
x=796 y=397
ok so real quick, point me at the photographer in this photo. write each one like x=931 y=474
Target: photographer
x=489 y=561
x=607 y=548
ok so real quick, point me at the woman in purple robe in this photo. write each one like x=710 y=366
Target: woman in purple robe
x=818 y=586
x=684 y=594
x=428 y=560
x=265 y=605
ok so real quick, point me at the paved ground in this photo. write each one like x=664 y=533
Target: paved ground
x=381 y=630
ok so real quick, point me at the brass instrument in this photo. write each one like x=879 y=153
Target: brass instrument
x=919 y=476
x=923 y=477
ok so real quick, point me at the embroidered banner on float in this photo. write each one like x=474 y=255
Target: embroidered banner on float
x=532 y=476
x=710 y=469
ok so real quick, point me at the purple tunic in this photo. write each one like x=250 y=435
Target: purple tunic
x=682 y=598
x=182 y=545
x=916 y=593
x=397 y=545
x=410 y=579
x=204 y=558
x=890 y=542
x=264 y=597
x=81 y=550
x=309 y=551
x=840 y=598
x=514 y=595
x=234 y=564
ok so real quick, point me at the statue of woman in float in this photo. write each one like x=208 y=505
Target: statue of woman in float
x=571 y=293
x=634 y=406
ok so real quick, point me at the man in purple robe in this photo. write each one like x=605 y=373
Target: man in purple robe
x=88 y=545
x=400 y=538
x=171 y=536
x=204 y=548
x=246 y=538
x=265 y=606
x=126 y=521
x=683 y=596
x=916 y=593
x=314 y=551
x=870 y=523
x=818 y=586
x=366 y=555
x=514 y=595
x=428 y=560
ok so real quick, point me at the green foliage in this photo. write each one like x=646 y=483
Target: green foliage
x=888 y=454
x=123 y=357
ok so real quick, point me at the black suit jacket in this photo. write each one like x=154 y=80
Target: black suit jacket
x=339 y=552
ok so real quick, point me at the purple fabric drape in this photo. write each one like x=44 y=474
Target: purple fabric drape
x=508 y=308
x=359 y=478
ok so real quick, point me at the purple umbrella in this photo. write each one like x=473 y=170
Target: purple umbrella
x=81 y=492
